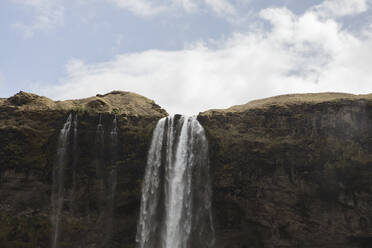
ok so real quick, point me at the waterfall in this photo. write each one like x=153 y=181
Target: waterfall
x=99 y=146
x=58 y=178
x=111 y=183
x=106 y=174
x=74 y=164
x=175 y=206
x=113 y=170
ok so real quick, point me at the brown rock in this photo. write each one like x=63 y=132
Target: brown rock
x=29 y=129
x=293 y=171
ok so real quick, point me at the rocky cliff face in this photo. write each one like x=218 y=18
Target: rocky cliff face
x=29 y=129
x=293 y=171
x=290 y=171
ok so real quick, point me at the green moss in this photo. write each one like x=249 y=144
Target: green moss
x=115 y=111
x=79 y=110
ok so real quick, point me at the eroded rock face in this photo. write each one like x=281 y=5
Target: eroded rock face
x=293 y=171
x=29 y=129
x=290 y=171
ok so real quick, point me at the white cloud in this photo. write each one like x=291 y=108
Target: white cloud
x=74 y=66
x=147 y=8
x=49 y=14
x=221 y=6
x=188 y=5
x=300 y=53
x=338 y=8
x=142 y=7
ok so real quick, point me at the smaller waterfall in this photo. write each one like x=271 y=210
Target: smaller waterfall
x=114 y=131
x=104 y=161
x=74 y=163
x=58 y=178
x=99 y=146
x=111 y=182
x=176 y=194
x=113 y=157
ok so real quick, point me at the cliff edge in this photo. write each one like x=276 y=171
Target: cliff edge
x=287 y=171
x=293 y=171
x=29 y=132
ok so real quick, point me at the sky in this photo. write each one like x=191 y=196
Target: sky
x=187 y=55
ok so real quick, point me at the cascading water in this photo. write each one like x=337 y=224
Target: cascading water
x=111 y=183
x=106 y=174
x=74 y=163
x=58 y=178
x=175 y=206
x=113 y=171
x=99 y=146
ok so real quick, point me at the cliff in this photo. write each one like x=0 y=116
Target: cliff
x=288 y=171
x=293 y=171
x=29 y=130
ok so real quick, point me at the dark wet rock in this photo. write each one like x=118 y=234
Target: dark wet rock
x=29 y=129
x=293 y=171
x=289 y=171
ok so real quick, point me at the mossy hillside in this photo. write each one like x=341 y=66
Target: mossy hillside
x=90 y=191
x=29 y=130
x=291 y=100
x=294 y=167
x=292 y=171
x=29 y=124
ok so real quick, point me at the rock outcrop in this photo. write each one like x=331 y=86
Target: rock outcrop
x=290 y=171
x=29 y=129
x=293 y=171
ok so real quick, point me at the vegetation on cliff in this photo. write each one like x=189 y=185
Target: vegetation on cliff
x=29 y=128
x=288 y=171
x=293 y=171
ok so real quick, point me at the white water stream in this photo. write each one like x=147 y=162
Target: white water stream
x=58 y=178
x=176 y=194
